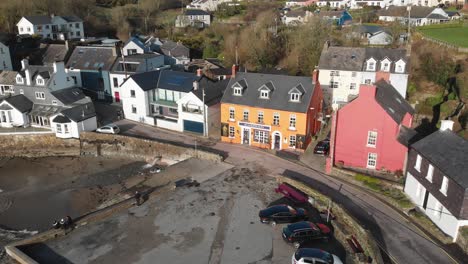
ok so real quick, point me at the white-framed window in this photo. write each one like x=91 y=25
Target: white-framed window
x=333 y=85
x=264 y=94
x=132 y=93
x=170 y=96
x=134 y=109
x=368 y=81
x=54 y=102
x=292 y=122
x=59 y=128
x=371 y=66
x=276 y=119
x=232 y=113
x=371 y=160
x=21 y=91
x=294 y=97
x=40 y=81
x=232 y=131
x=40 y=95
x=352 y=86
x=438 y=209
x=430 y=172
x=162 y=94
x=372 y=138
x=353 y=74
x=261 y=136
x=246 y=115
x=292 y=141
x=238 y=91
x=260 y=117
x=19 y=79
x=334 y=73
x=417 y=165
x=386 y=67
x=65 y=128
x=444 y=186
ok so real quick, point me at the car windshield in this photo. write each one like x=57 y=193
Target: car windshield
x=115 y=127
x=291 y=210
x=273 y=210
x=311 y=253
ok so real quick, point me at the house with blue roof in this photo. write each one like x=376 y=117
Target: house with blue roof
x=339 y=18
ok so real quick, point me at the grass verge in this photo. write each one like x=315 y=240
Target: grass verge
x=394 y=194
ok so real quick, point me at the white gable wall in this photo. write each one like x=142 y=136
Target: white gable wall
x=17 y=118
x=140 y=102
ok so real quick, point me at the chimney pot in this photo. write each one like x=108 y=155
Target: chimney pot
x=315 y=75
x=446 y=125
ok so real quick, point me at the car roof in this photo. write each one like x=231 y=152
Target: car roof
x=314 y=253
x=302 y=225
x=277 y=209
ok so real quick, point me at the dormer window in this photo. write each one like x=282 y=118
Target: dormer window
x=238 y=91
x=371 y=64
x=40 y=81
x=264 y=94
x=295 y=97
x=19 y=79
x=400 y=66
x=386 y=67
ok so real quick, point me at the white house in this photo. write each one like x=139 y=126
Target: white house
x=334 y=3
x=6 y=40
x=374 y=35
x=129 y=65
x=296 y=17
x=207 y=5
x=343 y=69
x=7 y=80
x=292 y=3
x=419 y=15
x=172 y=100
x=13 y=111
x=52 y=27
x=357 y=4
x=436 y=179
x=193 y=18
x=135 y=46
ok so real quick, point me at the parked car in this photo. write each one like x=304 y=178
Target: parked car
x=189 y=182
x=282 y=214
x=323 y=147
x=292 y=193
x=109 y=129
x=304 y=231
x=314 y=255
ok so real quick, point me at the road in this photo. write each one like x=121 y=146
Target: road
x=398 y=237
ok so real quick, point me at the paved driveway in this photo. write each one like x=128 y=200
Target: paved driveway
x=395 y=235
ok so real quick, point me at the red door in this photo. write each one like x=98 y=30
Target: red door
x=117 y=97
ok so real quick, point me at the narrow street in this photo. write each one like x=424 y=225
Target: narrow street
x=397 y=236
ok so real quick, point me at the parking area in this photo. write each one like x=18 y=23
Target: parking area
x=216 y=222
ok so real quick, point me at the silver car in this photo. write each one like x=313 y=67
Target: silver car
x=109 y=129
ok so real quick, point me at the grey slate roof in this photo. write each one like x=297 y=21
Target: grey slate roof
x=279 y=98
x=392 y=102
x=20 y=102
x=295 y=13
x=353 y=59
x=407 y=136
x=174 y=49
x=371 y=29
x=61 y=119
x=53 y=52
x=92 y=58
x=196 y=12
x=72 y=19
x=137 y=58
x=69 y=95
x=400 y=11
x=214 y=90
x=169 y=80
x=80 y=112
x=41 y=20
x=448 y=152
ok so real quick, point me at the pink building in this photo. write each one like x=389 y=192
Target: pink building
x=367 y=132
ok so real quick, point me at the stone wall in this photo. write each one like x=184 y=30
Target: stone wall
x=344 y=225
x=97 y=144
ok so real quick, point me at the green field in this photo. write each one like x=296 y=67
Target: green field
x=453 y=35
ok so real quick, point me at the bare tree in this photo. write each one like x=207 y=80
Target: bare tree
x=148 y=9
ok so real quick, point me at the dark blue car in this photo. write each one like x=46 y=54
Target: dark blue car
x=282 y=214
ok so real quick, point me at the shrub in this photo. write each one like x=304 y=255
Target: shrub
x=412 y=89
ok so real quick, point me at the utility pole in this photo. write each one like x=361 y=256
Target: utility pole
x=205 y=128
x=237 y=57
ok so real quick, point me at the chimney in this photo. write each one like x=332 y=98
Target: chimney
x=59 y=66
x=24 y=63
x=367 y=91
x=114 y=51
x=446 y=125
x=27 y=74
x=315 y=75
x=233 y=71
x=67 y=45
x=195 y=85
x=199 y=72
